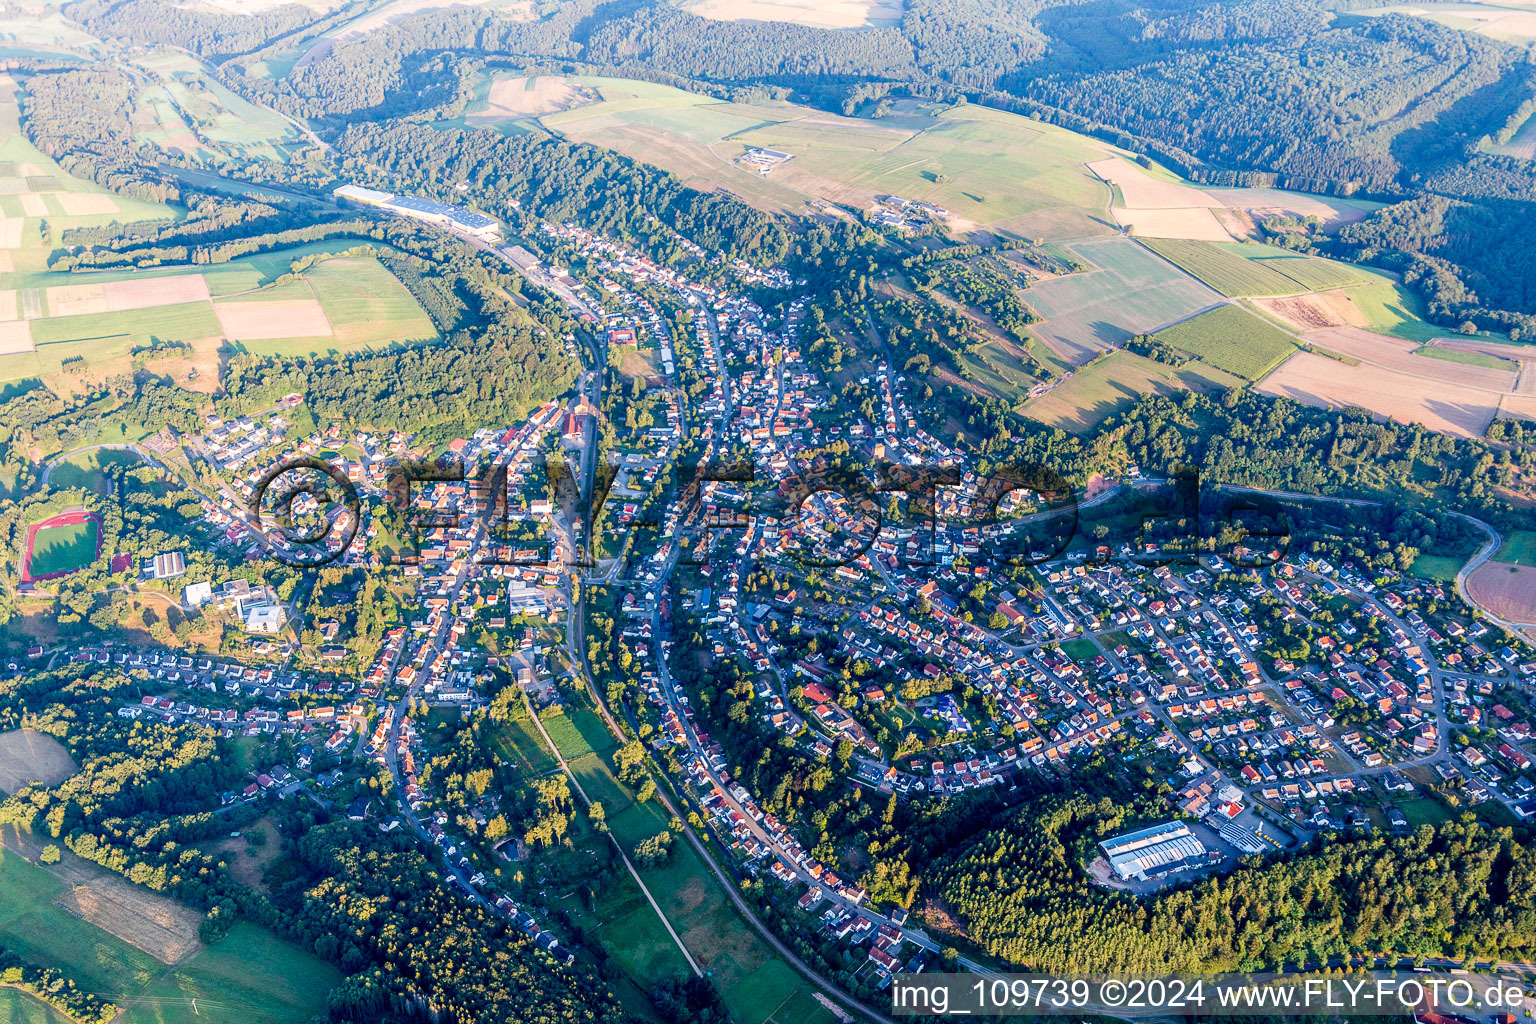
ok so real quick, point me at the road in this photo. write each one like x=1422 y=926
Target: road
x=141 y=453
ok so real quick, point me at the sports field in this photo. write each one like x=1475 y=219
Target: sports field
x=1231 y=338
x=60 y=545
x=1112 y=383
x=250 y=976
x=1127 y=291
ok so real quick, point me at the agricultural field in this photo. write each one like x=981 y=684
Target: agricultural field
x=17 y=1007
x=1522 y=144
x=992 y=171
x=833 y=14
x=1232 y=339
x=1314 y=379
x=1409 y=358
x=339 y=304
x=1311 y=272
x=1389 y=308
x=1153 y=202
x=250 y=976
x=1128 y=292
x=526 y=96
x=28 y=756
x=1507 y=22
x=1505 y=589
x=1111 y=383
x=183 y=108
x=1224 y=270
x=1456 y=355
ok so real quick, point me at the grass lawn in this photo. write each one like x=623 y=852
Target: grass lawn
x=63 y=548
x=16 y=1007
x=752 y=980
x=366 y=304
x=518 y=742
x=579 y=731
x=1232 y=339
x=1392 y=309
x=1081 y=649
x=1519 y=547
x=1438 y=567
x=35 y=929
x=1224 y=270
x=251 y=975
x=1423 y=810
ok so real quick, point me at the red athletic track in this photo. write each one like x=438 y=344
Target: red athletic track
x=71 y=518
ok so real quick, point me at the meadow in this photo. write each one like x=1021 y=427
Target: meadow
x=250 y=976
x=1111 y=383
x=87 y=470
x=1127 y=291
x=1232 y=339
x=753 y=981
x=1519 y=548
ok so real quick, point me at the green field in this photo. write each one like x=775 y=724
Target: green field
x=1223 y=269
x=87 y=469
x=517 y=742
x=1315 y=274
x=63 y=548
x=1231 y=338
x=1423 y=810
x=752 y=980
x=1456 y=355
x=1392 y=309
x=1437 y=567
x=16 y=1007
x=250 y=976
x=1519 y=547
x=1081 y=649
x=578 y=732
x=1127 y=291
x=1111 y=383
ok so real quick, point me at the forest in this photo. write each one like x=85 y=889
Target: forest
x=1461 y=890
